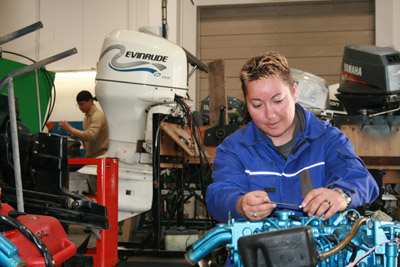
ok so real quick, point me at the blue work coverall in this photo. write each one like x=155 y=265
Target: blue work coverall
x=322 y=156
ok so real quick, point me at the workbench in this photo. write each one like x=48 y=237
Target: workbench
x=376 y=140
x=174 y=134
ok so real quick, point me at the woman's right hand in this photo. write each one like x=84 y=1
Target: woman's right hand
x=253 y=205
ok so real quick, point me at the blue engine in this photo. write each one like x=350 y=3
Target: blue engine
x=346 y=239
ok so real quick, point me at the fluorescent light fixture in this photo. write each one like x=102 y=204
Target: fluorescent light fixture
x=75 y=74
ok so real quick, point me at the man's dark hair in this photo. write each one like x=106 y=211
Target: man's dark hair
x=84 y=96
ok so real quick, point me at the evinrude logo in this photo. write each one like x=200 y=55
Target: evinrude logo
x=152 y=57
x=355 y=70
x=149 y=62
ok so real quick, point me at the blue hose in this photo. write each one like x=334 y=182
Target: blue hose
x=9 y=254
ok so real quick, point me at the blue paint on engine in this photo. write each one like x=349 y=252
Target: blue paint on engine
x=374 y=244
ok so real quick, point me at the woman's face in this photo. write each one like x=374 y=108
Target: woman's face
x=271 y=104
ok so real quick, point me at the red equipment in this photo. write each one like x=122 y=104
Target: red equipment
x=105 y=254
x=49 y=230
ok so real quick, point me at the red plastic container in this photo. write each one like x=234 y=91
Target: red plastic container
x=49 y=230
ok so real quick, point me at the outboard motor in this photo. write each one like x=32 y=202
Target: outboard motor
x=370 y=79
x=138 y=74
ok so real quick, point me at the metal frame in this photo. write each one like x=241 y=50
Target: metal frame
x=8 y=80
x=105 y=254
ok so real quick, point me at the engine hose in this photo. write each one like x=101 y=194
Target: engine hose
x=48 y=258
x=354 y=253
x=354 y=229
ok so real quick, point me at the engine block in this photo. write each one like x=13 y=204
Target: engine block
x=346 y=239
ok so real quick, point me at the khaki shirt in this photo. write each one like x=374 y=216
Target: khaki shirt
x=95 y=133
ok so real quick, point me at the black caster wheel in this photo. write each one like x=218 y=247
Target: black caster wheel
x=122 y=258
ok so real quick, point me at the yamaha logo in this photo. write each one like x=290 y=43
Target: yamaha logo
x=355 y=70
x=147 y=62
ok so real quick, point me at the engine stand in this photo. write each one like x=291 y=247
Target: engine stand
x=105 y=254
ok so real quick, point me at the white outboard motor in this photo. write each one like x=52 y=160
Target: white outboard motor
x=135 y=72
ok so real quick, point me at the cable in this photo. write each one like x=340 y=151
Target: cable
x=17 y=54
x=52 y=96
x=164 y=19
x=354 y=252
x=187 y=111
x=326 y=254
x=194 y=132
x=156 y=173
x=50 y=83
x=48 y=258
x=366 y=254
x=202 y=152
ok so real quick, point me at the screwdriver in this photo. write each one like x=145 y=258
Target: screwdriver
x=285 y=204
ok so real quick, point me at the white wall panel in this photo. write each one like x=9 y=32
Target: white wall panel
x=14 y=15
x=388 y=23
x=155 y=7
x=62 y=30
x=82 y=24
x=68 y=85
x=138 y=14
x=100 y=17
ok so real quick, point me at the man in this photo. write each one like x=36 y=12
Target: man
x=284 y=155
x=95 y=130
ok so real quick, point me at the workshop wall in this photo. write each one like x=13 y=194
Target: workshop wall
x=387 y=24
x=84 y=24
x=68 y=85
x=67 y=24
x=312 y=35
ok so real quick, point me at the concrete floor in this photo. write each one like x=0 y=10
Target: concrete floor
x=77 y=235
x=78 y=183
x=150 y=262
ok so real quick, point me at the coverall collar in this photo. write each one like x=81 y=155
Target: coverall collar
x=310 y=128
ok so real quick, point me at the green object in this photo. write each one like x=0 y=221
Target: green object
x=26 y=93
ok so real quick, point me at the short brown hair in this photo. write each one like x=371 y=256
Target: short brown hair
x=269 y=64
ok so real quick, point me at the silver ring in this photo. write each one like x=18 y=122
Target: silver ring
x=328 y=202
x=254 y=215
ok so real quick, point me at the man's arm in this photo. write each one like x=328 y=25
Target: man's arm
x=89 y=134
x=96 y=124
x=75 y=132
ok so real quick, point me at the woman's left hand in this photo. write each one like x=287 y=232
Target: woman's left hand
x=323 y=201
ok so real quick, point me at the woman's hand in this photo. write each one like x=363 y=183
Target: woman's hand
x=323 y=201
x=253 y=205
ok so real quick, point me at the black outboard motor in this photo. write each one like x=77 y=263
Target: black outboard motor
x=369 y=79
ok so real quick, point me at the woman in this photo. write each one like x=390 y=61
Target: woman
x=284 y=155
